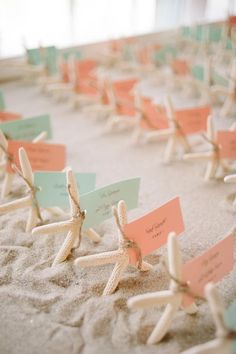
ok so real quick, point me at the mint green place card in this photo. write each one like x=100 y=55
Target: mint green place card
x=53 y=191
x=215 y=34
x=99 y=202
x=34 y=56
x=28 y=128
x=230 y=321
x=2 y=102
x=198 y=72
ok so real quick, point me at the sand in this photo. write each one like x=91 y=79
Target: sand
x=60 y=310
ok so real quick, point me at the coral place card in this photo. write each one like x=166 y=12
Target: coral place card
x=227 y=142
x=151 y=231
x=28 y=128
x=53 y=189
x=211 y=266
x=193 y=120
x=6 y=116
x=42 y=157
x=98 y=203
x=180 y=67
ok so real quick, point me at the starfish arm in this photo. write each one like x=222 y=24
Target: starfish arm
x=151 y=299
x=230 y=179
x=122 y=215
x=146 y=266
x=198 y=156
x=41 y=137
x=191 y=309
x=16 y=204
x=3 y=164
x=174 y=257
x=71 y=181
x=184 y=142
x=210 y=129
x=216 y=346
x=99 y=259
x=65 y=248
x=233 y=127
x=211 y=169
x=92 y=234
x=32 y=219
x=3 y=140
x=116 y=274
x=62 y=226
x=170 y=147
x=226 y=106
x=217 y=308
x=7 y=183
x=164 y=323
x=25 y=166
x=155 y=136
x=163 y=133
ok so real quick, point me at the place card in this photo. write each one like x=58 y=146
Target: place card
x=154 y=116
x=180 y=67
x=28 y=128
x=193 y=120
x=98 y=203
x=227 y=143
x=8 y=116
x=42 y=156
x=230 y=321
x=198 y=72
x=151 y=231
x=211 y=266
x=53 y=189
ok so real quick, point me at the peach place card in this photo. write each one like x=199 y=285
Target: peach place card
x=151 y=231
x=193 y=120
x=227 y=142
x=211 y=266
x=42 y=156
x=6 y=116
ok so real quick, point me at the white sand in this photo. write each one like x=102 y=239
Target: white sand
x=61 y=310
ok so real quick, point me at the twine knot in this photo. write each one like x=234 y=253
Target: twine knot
x=128 y=243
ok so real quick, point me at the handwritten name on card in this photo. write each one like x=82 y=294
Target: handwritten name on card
x=211 y=266
x=42 y=157
x=8 y=116
x=193 y=120
x=230 y=321
x=53 y=189
x=151 y=231
x=98 y=203
x=28 y=128
x=227 y=142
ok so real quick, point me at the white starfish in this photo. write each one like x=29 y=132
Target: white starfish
x=229 y=92
x=174 y=133
x=120 y=256
x=172 y=297
x=72 y=226
x=223 y=343
x=8 y=178
x=119 y=122
x=213 y=155
x=29 y=200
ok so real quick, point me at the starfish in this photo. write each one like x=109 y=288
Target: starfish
x=215 y=161
x=8 y=178
x=174 y=133
x=231 y=179
x=223 y=343
x=120 y=256
x=172 y=297
x=73 y=226
x=229 y=92
x=29 y=200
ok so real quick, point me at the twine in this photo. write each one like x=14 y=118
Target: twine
x=215 y=145
x=127 y=243
x=80 y=214
x=32 y=191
